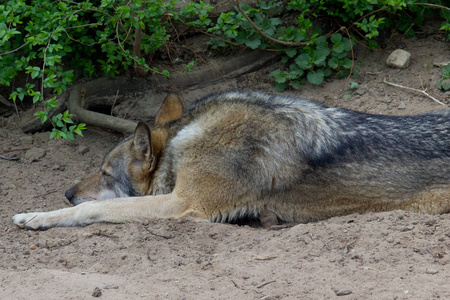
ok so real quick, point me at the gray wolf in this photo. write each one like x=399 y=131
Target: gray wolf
x=240 y=153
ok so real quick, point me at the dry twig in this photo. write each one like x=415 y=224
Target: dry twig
x=9 y=158
x=413 y=89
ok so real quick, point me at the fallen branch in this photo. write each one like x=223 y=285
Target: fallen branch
x=94 y=118
x=413 y=89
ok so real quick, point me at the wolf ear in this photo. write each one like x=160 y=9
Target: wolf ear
x=142 y=142
x=171 y=109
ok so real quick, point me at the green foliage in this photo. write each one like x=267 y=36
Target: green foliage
x=444 y=83
x=308 y=53
x=43 y=43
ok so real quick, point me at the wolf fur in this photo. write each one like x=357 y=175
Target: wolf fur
x=239 y=153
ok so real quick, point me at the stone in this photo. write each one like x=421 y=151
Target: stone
x=343 y=292
x=82 y=149
x=402 y=105
x=35 y=154
x=399 y=59
x=431 y=271
x=97 y=292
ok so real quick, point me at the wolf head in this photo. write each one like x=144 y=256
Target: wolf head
x=128 y=169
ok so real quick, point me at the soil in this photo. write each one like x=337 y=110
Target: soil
x=390 y=255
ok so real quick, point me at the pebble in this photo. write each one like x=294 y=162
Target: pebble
x=353 y=254
x=431 y=271
x=8 y=186
x=97 y=292
x=360 y=92
x=390 y=239
x=408 y=228
x=83 y=149
x=402 y=105
x=343 y=292
x=35 y=154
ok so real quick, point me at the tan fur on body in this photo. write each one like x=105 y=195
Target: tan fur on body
x=240 y=153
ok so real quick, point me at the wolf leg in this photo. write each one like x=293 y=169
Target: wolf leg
x=118 y=210
x=433 y=201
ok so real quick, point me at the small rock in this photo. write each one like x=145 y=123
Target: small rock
x=399 y=59
x=390 y=239
x=431 y=271
x=360 y=92
x=402 y=105
x=343 y=292
x=58 y=168
x=353 y=254
x=115 y=287
x=35 y=154
x=97 y=292
x=408 y=228
x=431 y=222
x=268 y=218
x=8 y=186
x=83 y=149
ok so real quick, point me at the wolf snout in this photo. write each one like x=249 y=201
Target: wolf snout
x=70 y=194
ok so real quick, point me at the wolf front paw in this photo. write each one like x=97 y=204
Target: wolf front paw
x=35 y=221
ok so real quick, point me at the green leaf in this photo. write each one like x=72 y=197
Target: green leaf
x=327 y=72
x=69 y=136
x=304 y=61
x=291 y=52
x=295 y=84
x=279 y=76
x=275 y=21
x=315 y=77
x=333 y=63
x=165 y=73
x=336 y=38
x=353 y=85
x=321 y=55
x=321 y=41
x=445 y=72
x=253 y=44
x=444 y=84
x=347 y=63
x=280 y=87
x=339 y=47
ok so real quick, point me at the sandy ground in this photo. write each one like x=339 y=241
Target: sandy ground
x=391 y=255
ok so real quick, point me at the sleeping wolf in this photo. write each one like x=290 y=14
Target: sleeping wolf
x=239 y=153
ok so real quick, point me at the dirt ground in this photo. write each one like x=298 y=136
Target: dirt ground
x=391 y=255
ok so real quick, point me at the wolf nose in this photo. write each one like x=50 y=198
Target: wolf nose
x=69 y=194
